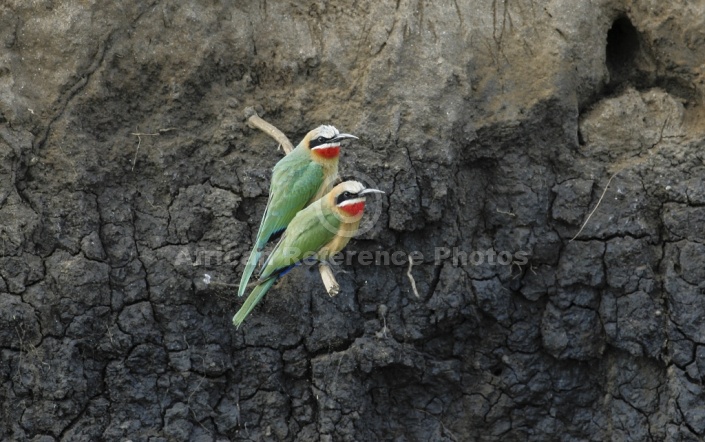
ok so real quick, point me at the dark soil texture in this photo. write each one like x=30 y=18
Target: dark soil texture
x=543 y=162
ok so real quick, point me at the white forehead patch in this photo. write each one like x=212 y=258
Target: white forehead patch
x=353 y=187
x=326 y=132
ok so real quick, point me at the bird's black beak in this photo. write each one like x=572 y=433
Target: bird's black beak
x=366 y=191
x=342 y=137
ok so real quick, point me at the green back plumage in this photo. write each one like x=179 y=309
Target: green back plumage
x=310 y=230
x=295 y=180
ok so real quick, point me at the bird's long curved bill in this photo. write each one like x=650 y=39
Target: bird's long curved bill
x=366 y=191
x=344 y=136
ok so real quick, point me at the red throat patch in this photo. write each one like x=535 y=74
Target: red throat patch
x=353 y=209
x=328 y=152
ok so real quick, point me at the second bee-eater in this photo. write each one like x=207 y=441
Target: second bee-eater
x=307 y=173
x=318 y=231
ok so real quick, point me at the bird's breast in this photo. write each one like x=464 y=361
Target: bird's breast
x=340 y=240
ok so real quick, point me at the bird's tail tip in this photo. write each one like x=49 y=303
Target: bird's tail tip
x=247 y=272
x=255 y=297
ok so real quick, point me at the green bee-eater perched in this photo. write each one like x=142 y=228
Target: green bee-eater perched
x=298 y=179
x=319 y=231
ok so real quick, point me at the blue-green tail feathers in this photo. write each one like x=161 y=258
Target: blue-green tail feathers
x=249 y=269
x=255 y=297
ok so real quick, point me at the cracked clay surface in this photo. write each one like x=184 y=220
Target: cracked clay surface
x=131 y=187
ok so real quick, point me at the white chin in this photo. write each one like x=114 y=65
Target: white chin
x=353 y=201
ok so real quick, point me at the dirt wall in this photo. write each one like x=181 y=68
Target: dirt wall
x=131 y=187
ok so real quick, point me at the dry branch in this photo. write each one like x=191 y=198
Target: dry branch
x=255 y=121
x=328 y=278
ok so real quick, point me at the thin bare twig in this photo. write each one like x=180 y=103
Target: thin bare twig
x=596 y=206
x=503 y=212
x=139 y=136
x=411 y=277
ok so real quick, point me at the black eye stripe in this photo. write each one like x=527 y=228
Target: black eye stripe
x=318 y=141
x=346 y=196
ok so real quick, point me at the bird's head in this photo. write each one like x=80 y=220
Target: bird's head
x=324 y=142
x=348 y=198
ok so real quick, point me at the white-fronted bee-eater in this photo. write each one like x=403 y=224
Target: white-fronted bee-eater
x=303 y=176
x=319 y=231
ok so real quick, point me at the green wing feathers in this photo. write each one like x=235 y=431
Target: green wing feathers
x=311 y=229
x=293 y=186
x=295 y=180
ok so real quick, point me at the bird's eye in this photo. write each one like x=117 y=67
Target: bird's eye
x=321 y=139
x=346 y=194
